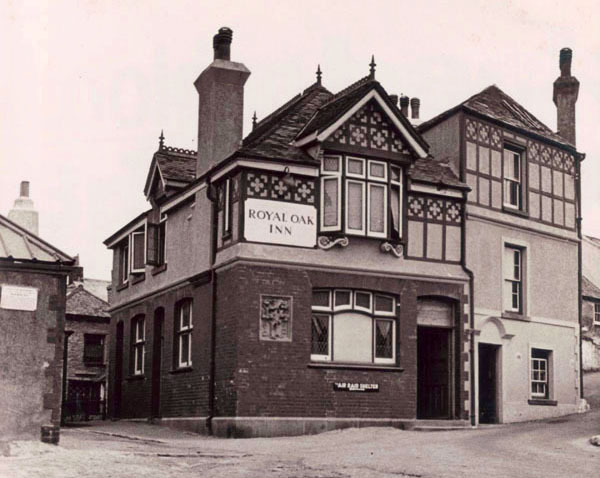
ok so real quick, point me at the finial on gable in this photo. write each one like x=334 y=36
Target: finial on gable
x=254 y=118
x=161 y=140
x=372 y=66
x=319 y=74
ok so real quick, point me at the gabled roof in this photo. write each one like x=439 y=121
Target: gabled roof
x=82 y=302
x=332 y=114
x=588 y=289
x=273 y=136
x=176 y=167
x=493 y=103
x=18 y=244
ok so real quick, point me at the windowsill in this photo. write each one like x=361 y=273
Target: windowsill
x=515 y=211
x=158 y=269
x=355 y=366
x=94 y=364
x=226 y=236
x=515 y=316
x=542 y=401
x=122 y=286
x=137 y=278
x=182 y=370
x=133 y=378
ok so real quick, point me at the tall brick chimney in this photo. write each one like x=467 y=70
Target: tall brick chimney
x=566 y=89
x=221 y=94
x=23 y=213
x=404 y=101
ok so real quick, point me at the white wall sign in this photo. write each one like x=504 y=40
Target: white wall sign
x=276 y=222
x=18 y=298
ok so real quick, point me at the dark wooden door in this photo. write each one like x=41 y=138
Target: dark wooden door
x=118 y=372
x=488 y=383
x=156 y=362
x=433 y=370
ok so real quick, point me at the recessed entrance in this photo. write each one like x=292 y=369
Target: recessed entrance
x=118 y=371
x=156 y=361
x=488 y=383
x=434 y=373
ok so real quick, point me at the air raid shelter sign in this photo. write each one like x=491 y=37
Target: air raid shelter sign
x=275 y=222
x=18 y=298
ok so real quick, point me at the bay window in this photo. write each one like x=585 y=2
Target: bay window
x=353 y=326
x=361 y=197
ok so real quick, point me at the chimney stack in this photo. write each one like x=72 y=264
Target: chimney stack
x=23 y=213
x=394 y=99
x=415 y=103
x=221 y=104
x=566 y=89
x=404 y=105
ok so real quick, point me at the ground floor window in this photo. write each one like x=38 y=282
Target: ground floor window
x=183 y=329
x=138 y=344
x=353 y=326
x=540 y=373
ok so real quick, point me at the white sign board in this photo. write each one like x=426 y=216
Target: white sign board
x=276 y=222
x=18 y=298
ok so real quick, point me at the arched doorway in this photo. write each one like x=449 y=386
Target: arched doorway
x=118 y=381
x=157 y=338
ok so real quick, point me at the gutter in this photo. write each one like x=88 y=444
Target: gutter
x=578 y=159
x=213 y=308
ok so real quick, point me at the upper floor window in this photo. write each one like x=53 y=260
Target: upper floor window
x=513 y=183
x=513 y=279
x=93 y=348
x=597 y=313
x=138 y=251
x=361 y=197
x=227 y=216
x=156 y=243
x=124 y=262
x=353 y=326
x=183 y=333
x=138 y=344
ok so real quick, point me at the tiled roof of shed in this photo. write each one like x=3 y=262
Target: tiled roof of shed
x=494 y=103
x=82 y=302
x=588 y=289
x=19 y=244
x=272 y=137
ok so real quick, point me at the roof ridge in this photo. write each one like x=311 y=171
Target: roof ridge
x=180 y=151
x=349 y=89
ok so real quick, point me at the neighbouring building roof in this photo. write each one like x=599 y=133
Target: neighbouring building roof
x=18 y=244
x=96 y=287
x=593 y=240
x=82 y=302
x=495 y=104
x=588 y=289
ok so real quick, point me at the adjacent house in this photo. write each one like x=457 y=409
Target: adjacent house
x=344 y=265
x=590 y=292
x=33 y=285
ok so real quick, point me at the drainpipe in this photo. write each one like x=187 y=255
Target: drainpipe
x=578 y=159
x=469 y=272
x=210 y=193
x=65 y=370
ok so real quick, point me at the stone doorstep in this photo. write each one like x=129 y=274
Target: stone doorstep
x=437 y=425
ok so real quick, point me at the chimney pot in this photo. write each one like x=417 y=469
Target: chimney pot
x=404 y=105
x=565 y=92
x=566 y=55
x=415 y=103
x=222 y=44
x=394 y=99
x=24 y=189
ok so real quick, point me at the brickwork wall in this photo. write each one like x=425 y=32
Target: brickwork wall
x=31 y=352
x=80 y=327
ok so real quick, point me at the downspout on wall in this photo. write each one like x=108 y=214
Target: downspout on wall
x=211 y=194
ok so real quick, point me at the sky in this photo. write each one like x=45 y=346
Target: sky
x=87 y=86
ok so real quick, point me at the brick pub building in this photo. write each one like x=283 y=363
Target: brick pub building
x=312 y=276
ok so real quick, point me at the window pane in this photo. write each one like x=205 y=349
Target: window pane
x=376 y=170
x=395 y=205
x=356 y=166
x=184 y=343
x=330 y=202
x=139 y=358
x=383 y=303
x=331 y=164
x=516 y=289
x=363 y=299
x=185 y=315
x=320 y=298
x=342 y=297
x=320 y=335
x=376 y=208
x=138 y=250
x=355 y=205
x=395 y=174
x=384 y=339
x=352 y=338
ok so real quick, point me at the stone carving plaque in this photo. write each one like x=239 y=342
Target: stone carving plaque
x=18 y=298
x=276 y=318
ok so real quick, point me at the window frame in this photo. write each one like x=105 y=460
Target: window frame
x=596 y=315
x=520 y=153
x=124 y=262
x=132 y=252
x=227 y=226
x=374 y=315
x=331 y=176
x=543 y=356
x=138 y=344
x=92 y=360
x=182 y=332
x=514 y=280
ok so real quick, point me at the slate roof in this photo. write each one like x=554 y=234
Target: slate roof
x=494 y=103
x=18 y=244
x=588 y=289
x=435 y=171
x=82 y=302
x=176 y=164
x=272 y=137
x=96 y=287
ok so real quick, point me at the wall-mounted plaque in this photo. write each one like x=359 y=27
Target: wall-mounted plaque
x=355 y=387
x=277 y=222
x=276 y=318
x=15 y=297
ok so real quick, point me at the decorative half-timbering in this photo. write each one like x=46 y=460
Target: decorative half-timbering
x=277 y=187
x=276 y=318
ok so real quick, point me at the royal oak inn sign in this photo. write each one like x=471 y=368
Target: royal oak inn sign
x=275 y=222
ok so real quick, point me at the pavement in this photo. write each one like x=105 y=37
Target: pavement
x=556 y=447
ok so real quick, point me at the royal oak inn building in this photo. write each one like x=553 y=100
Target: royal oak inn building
x=343 y=265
